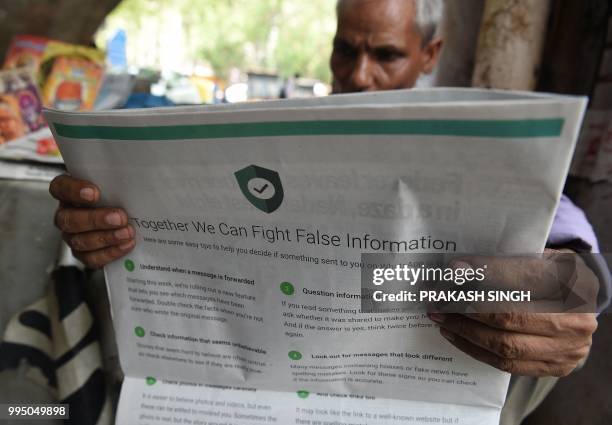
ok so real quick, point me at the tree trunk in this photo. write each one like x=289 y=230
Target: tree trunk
x=73 y=21
x=574 y=46
x=459 y=30
x=510 y=44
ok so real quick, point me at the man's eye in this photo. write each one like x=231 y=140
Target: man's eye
x=386 y=55
x=343 y=48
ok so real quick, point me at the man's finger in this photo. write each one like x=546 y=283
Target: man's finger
x=102 y=257
x=502 y=343
x=518 y=367
x=546 y=324
x=69 y=190
x=93 y=241
x=77 y=220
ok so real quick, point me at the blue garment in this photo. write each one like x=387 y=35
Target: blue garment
x=145 y=100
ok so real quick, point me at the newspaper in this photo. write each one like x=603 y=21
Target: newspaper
x=240 y=303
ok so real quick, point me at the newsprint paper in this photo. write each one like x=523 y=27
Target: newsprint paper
x=241 y=302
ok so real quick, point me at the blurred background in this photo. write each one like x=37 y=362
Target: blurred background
x=110 y=54
x=186 y=52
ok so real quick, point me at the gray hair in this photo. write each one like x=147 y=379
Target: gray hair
x=428 y=16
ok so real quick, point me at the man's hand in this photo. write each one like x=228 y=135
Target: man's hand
x=97 y=236
x=533 y=344
x=526 y=343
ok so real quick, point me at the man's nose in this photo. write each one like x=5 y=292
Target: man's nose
x=361 y=78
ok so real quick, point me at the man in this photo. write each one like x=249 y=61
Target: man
x=383 y=45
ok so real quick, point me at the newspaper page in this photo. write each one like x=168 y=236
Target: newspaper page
x=241 y=301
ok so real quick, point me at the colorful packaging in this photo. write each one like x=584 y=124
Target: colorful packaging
x=68 y=75
x=11 y=124
x=20 y=104
x=73 y=84
x=25 y=51
x=72 y=76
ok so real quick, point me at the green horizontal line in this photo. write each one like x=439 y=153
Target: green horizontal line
x=459 y=128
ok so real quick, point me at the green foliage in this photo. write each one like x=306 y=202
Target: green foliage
x=276 y=36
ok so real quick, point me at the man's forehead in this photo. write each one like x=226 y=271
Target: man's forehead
x=382 y=18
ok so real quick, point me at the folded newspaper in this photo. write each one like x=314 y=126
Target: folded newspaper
x=241 y=301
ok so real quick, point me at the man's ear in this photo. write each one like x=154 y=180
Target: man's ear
x=431 y=54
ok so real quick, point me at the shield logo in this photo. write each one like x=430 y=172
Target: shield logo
x=261 y=186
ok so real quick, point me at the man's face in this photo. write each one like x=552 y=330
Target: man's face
x=377 y=47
